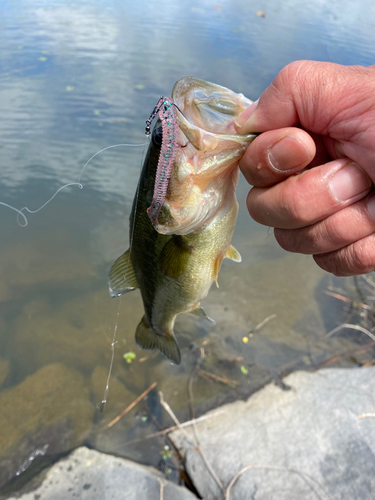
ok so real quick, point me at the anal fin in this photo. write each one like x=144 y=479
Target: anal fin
x=122 y=278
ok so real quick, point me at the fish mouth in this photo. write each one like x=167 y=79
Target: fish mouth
x=199 y=187
x=206 y=113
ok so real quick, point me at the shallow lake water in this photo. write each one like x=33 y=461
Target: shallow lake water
x=76 y=78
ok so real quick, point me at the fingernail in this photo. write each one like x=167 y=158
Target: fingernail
x=350 y=182
x=288 y=153
x=245 y=115
x=371 y=206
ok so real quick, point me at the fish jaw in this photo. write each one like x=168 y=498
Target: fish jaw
x=209 y=106
x=209 y=151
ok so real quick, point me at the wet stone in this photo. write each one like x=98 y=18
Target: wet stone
x=313 y=428
x=97 y=476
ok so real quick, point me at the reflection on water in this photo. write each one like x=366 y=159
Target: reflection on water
x=76 y=78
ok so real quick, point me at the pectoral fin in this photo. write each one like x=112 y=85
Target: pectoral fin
x=199 y=311
x=147 y=338
x=217 y=266
x=122 y=277
x=233 y=254
x=174 y=257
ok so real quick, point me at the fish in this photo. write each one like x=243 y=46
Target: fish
x=185 y=209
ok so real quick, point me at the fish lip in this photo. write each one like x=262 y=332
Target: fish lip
x=183 y=95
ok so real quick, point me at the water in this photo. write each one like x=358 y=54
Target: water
x=76 y=78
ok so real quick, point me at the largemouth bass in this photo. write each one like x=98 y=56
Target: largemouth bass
x=183 y=218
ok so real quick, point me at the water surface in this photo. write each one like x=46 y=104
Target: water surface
x=76 y=78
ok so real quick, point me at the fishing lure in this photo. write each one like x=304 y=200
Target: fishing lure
x=165 y=108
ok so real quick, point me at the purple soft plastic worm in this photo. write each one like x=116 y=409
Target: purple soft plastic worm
x=167 y=114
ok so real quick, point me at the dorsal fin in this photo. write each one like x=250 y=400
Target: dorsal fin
x=122 y=277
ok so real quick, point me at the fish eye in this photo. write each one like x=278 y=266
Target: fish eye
x=157 y=136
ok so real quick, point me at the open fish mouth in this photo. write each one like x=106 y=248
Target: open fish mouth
x=206 y=113
x=198 y=162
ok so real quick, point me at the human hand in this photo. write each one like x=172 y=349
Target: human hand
x=313 y=166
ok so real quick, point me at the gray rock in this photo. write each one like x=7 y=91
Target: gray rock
x=313 y=428
x=88 y=474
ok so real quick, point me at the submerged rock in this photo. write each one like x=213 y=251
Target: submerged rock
x=78 y=333
x=89 y=474
x=4 y=370
x=47 y=414
x=313 y=428
x=118 y=398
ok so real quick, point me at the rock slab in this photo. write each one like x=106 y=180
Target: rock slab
x=312 y=428
x=90 y=475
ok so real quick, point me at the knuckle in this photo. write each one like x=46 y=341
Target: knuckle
x=297 y=208
x=331 y=263
x=354 y=259
x=362 y=256
x=252 y=205
x=285 y=239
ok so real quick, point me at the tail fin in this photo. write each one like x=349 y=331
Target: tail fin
x=147 y=338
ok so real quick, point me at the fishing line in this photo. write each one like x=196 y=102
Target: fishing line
x=104 y=401
x=114 y=342
x=20 y=213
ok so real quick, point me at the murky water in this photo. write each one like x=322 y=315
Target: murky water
x=76 y=78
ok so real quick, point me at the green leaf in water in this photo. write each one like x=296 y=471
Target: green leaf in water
x=140 y=86
x=244 y=370
x=69 y=88
x=166 y=452
x=96 y=112
x=43 y=59
x=129 y=356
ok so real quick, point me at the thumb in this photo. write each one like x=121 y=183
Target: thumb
x=304 y=93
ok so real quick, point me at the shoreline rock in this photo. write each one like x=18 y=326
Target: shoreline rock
x=313 y=428
x=89 y=474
